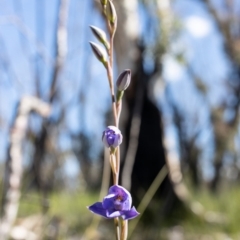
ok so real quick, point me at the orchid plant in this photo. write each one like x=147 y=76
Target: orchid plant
x=117 y=204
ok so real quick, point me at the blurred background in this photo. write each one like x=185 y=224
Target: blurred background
x=180 y=120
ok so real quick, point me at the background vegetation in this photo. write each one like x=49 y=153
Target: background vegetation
x=180 y=111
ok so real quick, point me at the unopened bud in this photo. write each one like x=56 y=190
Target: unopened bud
x=124 y=80
x=111 y=13
x=101 y=36
x=99 y=53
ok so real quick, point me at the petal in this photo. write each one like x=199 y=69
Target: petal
x=113 y=213
x=110 y=196
x=111 y=139
x=127 y=203
x=108 y=201
x=130 y=214
x=115 y=129
x=120 y=138
x=124 y=194
x=119 y=190
x=117 y=140
x=113 y=190
x=98 y=208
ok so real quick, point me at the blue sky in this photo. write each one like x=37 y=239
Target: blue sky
x=29 y=38
x=202 y=46
x=199 y=40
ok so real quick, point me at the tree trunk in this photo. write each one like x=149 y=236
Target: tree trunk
x=14 y=165
x=143 y=150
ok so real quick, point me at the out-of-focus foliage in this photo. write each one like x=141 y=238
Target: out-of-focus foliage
x=70 y=214
x=189 y=50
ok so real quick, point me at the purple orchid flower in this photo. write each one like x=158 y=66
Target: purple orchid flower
x=112 y=137
x=117 y=203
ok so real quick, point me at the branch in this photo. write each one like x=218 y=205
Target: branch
x=61 y=45
x=224 y=28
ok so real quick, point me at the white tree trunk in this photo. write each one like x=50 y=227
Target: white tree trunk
x=127 y=34
x=13 y=173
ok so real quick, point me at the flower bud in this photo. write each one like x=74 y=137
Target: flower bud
x=101 y=36
x=123 y=80
x=111 y=12
x=99 y=53
x=112 y=137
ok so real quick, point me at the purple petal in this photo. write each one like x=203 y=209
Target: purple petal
x=98 y=208
x=132 y=213
x=113 y=213
x=114 y=129
x=119 y=190
x=117 y=140
x=108 y=201
x=111 y=139
x=104 y=139
x=124 y=194
x=126 y=204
